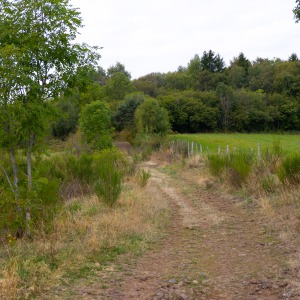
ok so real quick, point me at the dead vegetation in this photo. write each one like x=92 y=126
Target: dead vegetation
x=84 y=236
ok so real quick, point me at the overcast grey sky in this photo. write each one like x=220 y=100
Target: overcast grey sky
x=160 y=35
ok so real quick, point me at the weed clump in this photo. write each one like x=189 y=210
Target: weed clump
x=110 y=173
x=143 y=177
x=237 y=167
x=289 y=171
x=217 y=164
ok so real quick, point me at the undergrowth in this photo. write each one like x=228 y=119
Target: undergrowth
x=84 y=237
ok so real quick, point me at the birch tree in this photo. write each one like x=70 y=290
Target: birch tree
x=41 y=34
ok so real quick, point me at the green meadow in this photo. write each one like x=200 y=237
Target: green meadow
x=290 y=143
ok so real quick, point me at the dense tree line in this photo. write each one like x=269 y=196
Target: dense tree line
x=205 y=96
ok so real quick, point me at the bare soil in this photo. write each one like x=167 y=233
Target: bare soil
x=215 y=247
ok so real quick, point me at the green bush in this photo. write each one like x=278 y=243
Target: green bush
x=217 y=164
x=80 y=168
x=289 y=171
x=110 y=166
x=240 y=165
x=95 y=125
x=50 y=168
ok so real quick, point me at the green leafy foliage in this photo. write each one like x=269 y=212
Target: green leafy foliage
x=39 y=61
x=110 y=172
x=240 y=166
x=217 y=164
x=289 y=170
x=95 y=124
x=124 y=115
x=237 y=165
x=151 y=118
x=118 y=86
x=296 y=11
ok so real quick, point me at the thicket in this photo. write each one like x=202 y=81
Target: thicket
x=58 y=178
x=265 y=173
x=205 y=96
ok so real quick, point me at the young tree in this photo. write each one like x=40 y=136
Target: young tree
x=95 y=124
x=151 y=118
x=41 y=33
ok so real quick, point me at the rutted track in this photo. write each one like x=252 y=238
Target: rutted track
x=214 y=249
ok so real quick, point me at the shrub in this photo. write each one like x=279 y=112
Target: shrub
x=110 y=167
x=240 y=166
x=217 y=164
x=80 y=168
x=95 y=124
x=289 y=171
x=151 y=118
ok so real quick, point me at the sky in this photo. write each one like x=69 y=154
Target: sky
x=160 y=35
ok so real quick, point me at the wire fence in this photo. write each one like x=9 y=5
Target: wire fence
x=191 y=149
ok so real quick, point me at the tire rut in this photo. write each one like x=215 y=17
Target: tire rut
x=213 y=249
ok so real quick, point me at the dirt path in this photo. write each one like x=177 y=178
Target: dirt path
x=214 y=249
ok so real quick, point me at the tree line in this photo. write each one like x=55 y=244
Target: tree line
x=204 y=96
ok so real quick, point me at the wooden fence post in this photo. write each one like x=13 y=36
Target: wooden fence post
x=192 y=150
x=200 y=151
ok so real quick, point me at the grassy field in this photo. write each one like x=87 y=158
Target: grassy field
x=288 y=142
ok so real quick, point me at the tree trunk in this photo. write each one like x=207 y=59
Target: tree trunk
x=19 y=232
x=29 y=178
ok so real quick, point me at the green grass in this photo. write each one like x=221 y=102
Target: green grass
x=288 y=142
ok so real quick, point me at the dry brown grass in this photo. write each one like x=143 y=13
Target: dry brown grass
x=80 y=234
x=9 y=282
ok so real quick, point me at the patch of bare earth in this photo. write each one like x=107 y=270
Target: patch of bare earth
x=214 y=248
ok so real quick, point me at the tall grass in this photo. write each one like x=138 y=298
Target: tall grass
x=108 y=185
x=237 y=167
x=289 y=171
x=58 y=178
x=85 y=237
x=217 y=164
x=143 y=177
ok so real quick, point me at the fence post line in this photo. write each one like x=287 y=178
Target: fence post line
x=227 y=150
x=258 y=152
